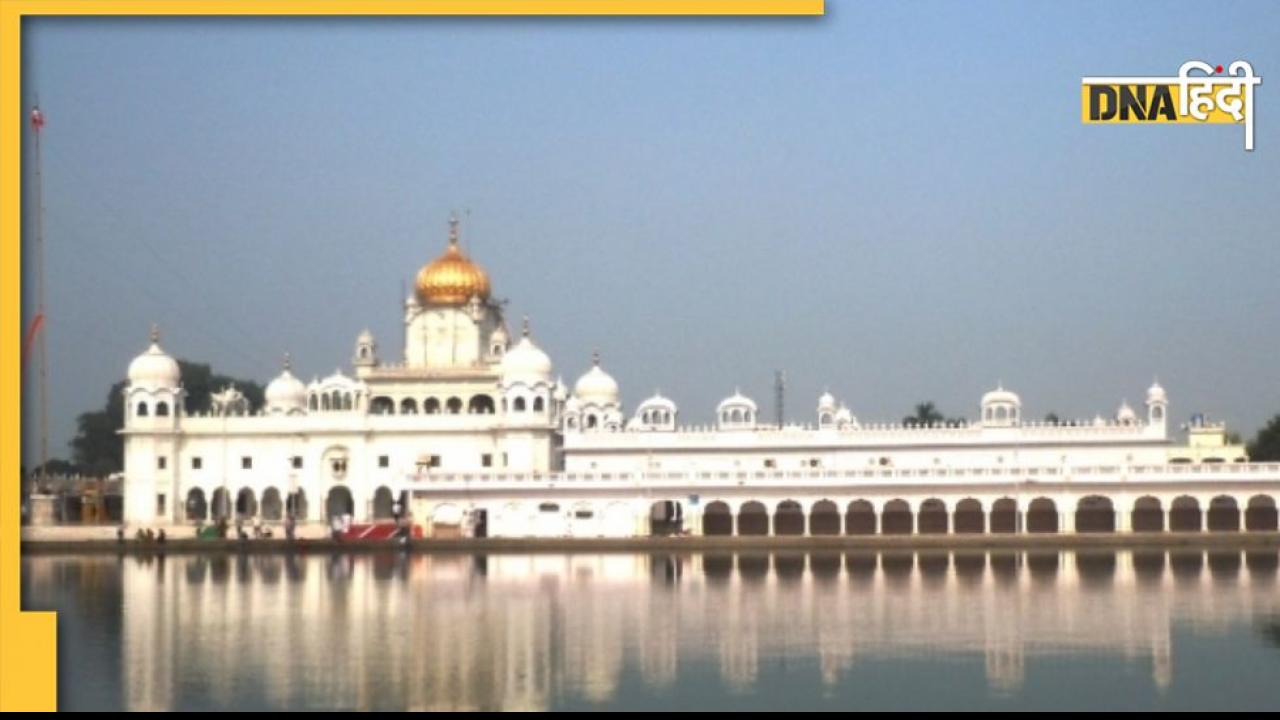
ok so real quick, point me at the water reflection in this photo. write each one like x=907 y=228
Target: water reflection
x=514 y=632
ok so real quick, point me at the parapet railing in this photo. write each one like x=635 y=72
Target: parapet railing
x=1085 y=473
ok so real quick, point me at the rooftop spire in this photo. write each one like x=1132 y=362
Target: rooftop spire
x=595 y=357
x=288 y=365
x=155 y=333
x=453 y=229
x=524 y=326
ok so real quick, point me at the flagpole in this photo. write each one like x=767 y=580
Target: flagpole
x=37 y=124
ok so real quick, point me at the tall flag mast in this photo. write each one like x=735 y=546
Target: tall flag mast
x=37 y=323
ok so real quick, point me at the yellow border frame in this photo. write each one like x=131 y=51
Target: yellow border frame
x=28 y=641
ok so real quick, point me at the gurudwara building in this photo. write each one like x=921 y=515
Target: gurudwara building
x=470 y=433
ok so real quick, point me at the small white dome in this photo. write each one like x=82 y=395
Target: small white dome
x=596 y=385
x=736 y=400
x=1000 y=395
x=844 y=416
x=1156 y=394
x=526 y=362
x=285 y=392
x=337 y=379
x=1126 y=414
x=826 y=401
x=657 y=401
x=154 y=368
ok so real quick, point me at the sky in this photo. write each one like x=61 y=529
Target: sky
x=895 y=202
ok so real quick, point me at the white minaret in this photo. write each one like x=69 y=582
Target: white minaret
x=1157 y=407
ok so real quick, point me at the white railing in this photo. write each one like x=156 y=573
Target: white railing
x=1226 y=472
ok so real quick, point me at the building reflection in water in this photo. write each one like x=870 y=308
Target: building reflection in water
x=517 y=632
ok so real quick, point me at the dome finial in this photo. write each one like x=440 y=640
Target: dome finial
x=524 y=326
x=288 y=364
x=595 y=357
x=155 y=333
x=453 y=228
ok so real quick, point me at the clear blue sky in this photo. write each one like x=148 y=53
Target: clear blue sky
x=896 y=201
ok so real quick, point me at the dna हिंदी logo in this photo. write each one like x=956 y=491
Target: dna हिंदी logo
x=1209 y=96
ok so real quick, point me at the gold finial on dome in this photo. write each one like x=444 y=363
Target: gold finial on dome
x=451 y=279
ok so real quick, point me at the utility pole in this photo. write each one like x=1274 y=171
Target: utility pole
x=779 y=395
x=37 y=325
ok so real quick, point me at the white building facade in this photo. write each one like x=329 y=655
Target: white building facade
x=471 y=434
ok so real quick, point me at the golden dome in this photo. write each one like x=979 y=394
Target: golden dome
x=451 y=279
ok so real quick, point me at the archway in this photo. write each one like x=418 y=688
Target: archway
x=666 y=517
x=221 y=504
x=246 y=504
x=1260 y=514
x=1004 y=516
x=1184 y=514
x=753 y=519
x=717 y=519
x=272 y=507
x=339 y=502
x=296 y=504
x=1095 y=514
x=1223 y=515
x=969 y=519
x=197 y=506
x=1042 y=516
x=788 y=519
x=896 y=518
x=1148 y=515
x=481 y=405
x=383 y=503
x=824 y=519
x=860 y=518
x=932 y=518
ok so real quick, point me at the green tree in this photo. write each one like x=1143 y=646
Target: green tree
x=98 y=448
x=927 y=414
x=1266 y=444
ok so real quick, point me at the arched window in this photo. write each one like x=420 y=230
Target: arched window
x=311 y=401
x=142 y=409
x=454 y=405
x=591 y=421
x=518 y=404
x=737 y=416
x=1157 y=413
x=480 y=405
x=747 y=416
x=1001 y=413
x=431 y=406
x=162 y=409
x=408 y=406
x=324 y=402
x=538 y=405
x=988 y=412
x=346 y=401
x=382 y=405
